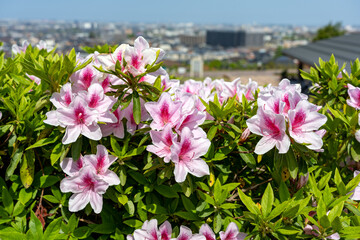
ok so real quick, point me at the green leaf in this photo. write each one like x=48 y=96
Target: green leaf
x=324 y=180
x=166 y=191
x=292 y=163
x=51 y=199
x=56 y=153
x=247 y=157
x=250 y=205
x=321 y=208
x=7 y=201
x=43 y=142
x=133 y=152
x=267 y=200
x=336 y=211
x=82 y=232
x=283 y=192
x=76 y=149
x=212 y=132
x=53 y=229
x=289 y=230
x=123 y=199
x=136 y=107
x=130 y=207
x=48 y=180
x=189 y=206
x=13 y=163
x=134 y=223
x=229 y=206
x=35 y=226
x=155 y=209
x=25 y=195
x=27 y=168
x=217 y=223
x=115 y=146
x=12 y=235
x=353 y=183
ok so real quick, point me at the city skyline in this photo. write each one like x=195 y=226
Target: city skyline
x=281 y=12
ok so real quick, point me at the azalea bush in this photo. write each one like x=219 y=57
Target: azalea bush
x=109 y=146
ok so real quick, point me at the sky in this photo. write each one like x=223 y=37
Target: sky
x=283 y=12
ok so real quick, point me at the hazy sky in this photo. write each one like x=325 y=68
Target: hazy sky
x=299 y=12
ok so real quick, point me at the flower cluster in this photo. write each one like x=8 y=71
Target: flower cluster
x=176 y=135
x=150 y=231
x=88 y=178
x=284 y=108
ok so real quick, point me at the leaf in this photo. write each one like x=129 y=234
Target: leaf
x=53 y=229
x=133 y=152
x=250 y=205
x=25 y=195
x=76 y=149
x=155 y=209
x=123 y=199
x=324 y=180
x=187 y=216
x=136 y=107
x=289 y=230
x=189 y=206
x=82 y=232
x=217 y=223
x=267 y=200
x=7 y=201
x=283 y=192
x=19 y=208
x=48 y=180
x=229 y=206
x=336 y=211
x=27 y=168
x=166 y=191
x=247 y=157
x=13 y=163
x=212 y=132
x=56 y=153
x=35 y=226
x=292 y=163
x=43 y=142
x=134 y=223
x=115 y=146
x=130 y=208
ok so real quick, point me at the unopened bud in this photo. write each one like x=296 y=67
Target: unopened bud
x=245 y=135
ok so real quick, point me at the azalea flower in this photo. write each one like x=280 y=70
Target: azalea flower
x=354 y=94
x=87 y=188
x=186 y=234
x=356 y=192
x=117 y=128
x=186 y=155
x=150 y=231
x=232 y=233
x=314 y=230
x=162 y=142
x=100 y=163
x=17 y=49
x=207 y=232
x=84 y=78
x=165 y=111
x=304 y=120
x=78 y=119
x=71 y=167
x=272 y=127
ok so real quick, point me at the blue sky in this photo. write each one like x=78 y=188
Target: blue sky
x=300 y=12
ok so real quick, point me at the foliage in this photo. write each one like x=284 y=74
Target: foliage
x=329 y=31
x=273 y=196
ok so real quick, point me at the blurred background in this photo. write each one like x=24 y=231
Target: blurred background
x=263 y=40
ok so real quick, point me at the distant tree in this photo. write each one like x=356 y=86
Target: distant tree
x=328 y=31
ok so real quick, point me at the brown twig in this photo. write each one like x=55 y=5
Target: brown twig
x=233 y=197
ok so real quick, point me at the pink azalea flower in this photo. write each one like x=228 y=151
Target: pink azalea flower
x=186 y=234
x=165 y=111
x=232 y=233
x=108 y=61
x=191 y=120
x=207 y=232
x=79 y=119
x=71 y=167
x=165 y=231
x=87 y=188
x=356 y=192
x=98 y=101
x=186 y=156
x=100 y=163
x=162 y=142
x=116 y=128
x=272 y=127
x=354 y=94
x=303 y=121
x=64 y=98
x=314 y=230
x=16 y=49
x=249 y=90
x=84 y=78
x=34 y=78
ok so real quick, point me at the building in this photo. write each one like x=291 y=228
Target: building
x=197 y=67
x=193 y=40
x=226 y=38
